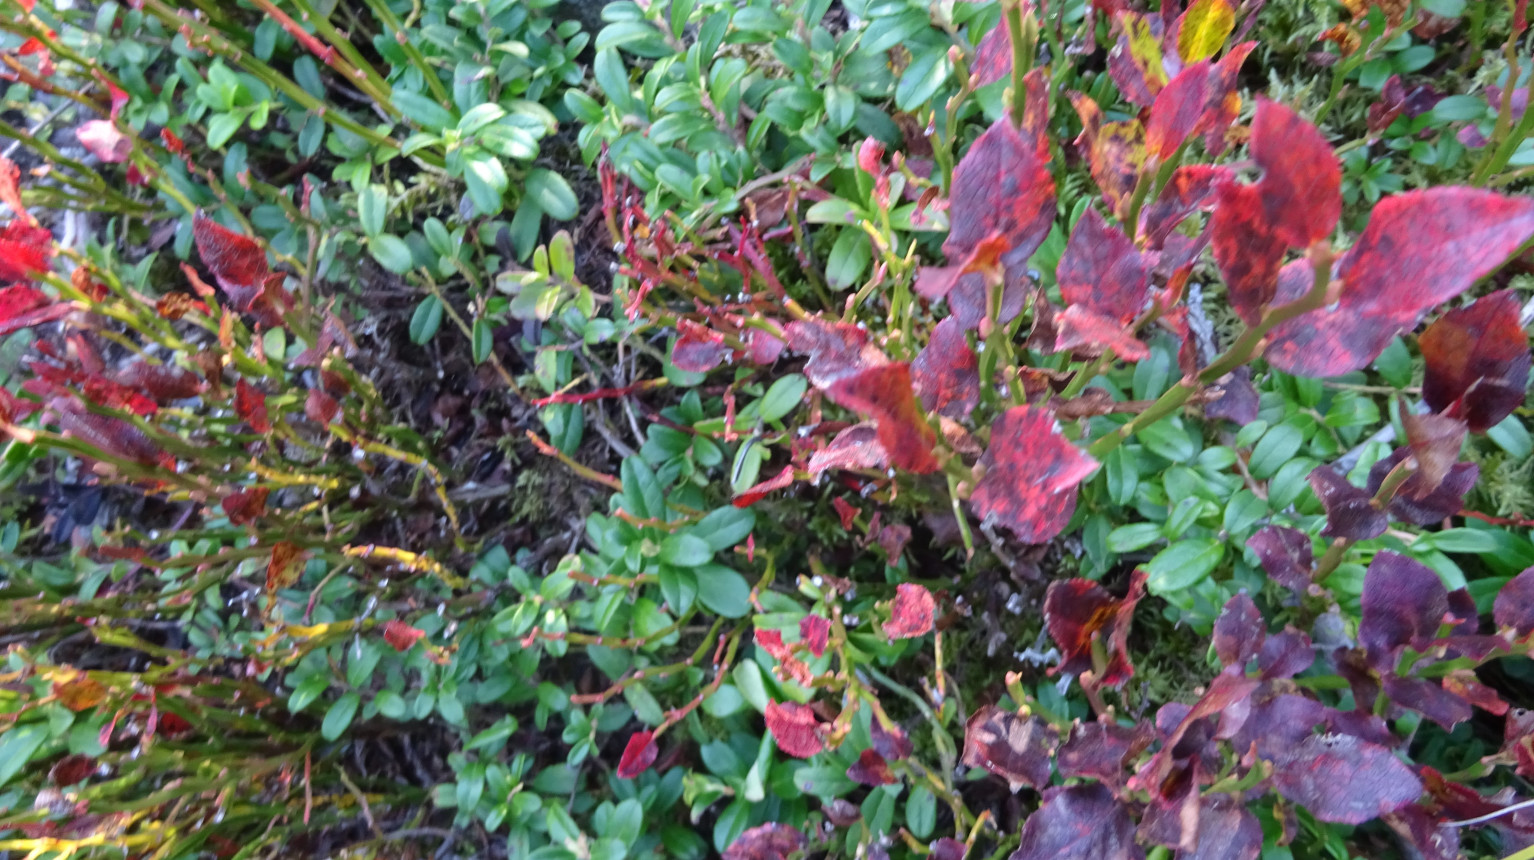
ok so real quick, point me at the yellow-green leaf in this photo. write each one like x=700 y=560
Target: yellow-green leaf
x=1204 y=29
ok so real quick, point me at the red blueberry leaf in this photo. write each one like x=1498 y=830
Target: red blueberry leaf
x=320 y=407
x=110 y=435
x=1188 y=190
x=1030 y=471
x=1171 y=817
x=892 y=539
x=1426 y=831
x=1002 y=187
x=1135 y=61
x=1428 y=698
x=161 y=382
x=1223 y=104
x=911 y=612
x=1239 y=632
x=1435 y=442
x=698 y=349
x=946 y=372
x=10 y=189
x=967 y=300
x=1477 y=361
x=24 y=251
x=993 y=56
x=1421 y=249
x=1080 y=329
x=284 y=567
x=1301 y=186
x=814 y=632
x=1278 y=722
x=245 y=506
x=71 y=770
x=1102 y=270
x=890 y=743
x=795 y=729
x=845 y=511
x=1403 y=603
x=1012 y=747
x=237 y=262
x=1448 y=499
x=835 y=349
x=857 y=447
x=1344 y=780
x=1285 y=654
x=1513 y=608
x=638 y=754
x=1226 y=831
x=250 y=405
x=762 y=489
x=1238 y=400
x=841 y=813
x=401 y=636
x=1230 y=690
x=1248 y=253
x=102 y=139
x=1081 y=822
x=870 y=769
x=771 y=641
x=1115 y=153
x=763 y=347
x=947 y=848
x=1177 y=110
x=1078 y=611
x=18 y=299
x=884 y=394
x=1392 y=104
x=1100 y=750
x=80 y=692
x=1349 y=512
x=766 y=842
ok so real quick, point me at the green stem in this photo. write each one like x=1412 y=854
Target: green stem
x=1023 y=40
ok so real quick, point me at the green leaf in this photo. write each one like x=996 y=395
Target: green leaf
x=426 y=320
x=922 y=78
x=372 y=206
x=642 y=495
x=783 y=397
x=1128 y=538
x=487 y=182
x=1277 y=447
x=392 y=253
x=17 y=747
x=1460 y=540
x=841 y=108
x=849 y=257
x=723 y=590
x=307 y=691
x=222 y=127
x=1183 y=565
x=390 y=704
x=920 y=812
x=484 y=340
x=1459 y=108
x=421 y=110
x=723 y=528
x=480 y=116
x=551 y=192
x=340 y=715
x=685 y=550
x=679 y=585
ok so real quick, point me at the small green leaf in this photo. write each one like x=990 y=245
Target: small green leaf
x=372 y=206
x=849 y=258
x=483 y=339
x=392 y=253
x=1183 y=565
x=17 y=747
x=723 y=528
x=551 y=192
x=723 y=590
x=426 y=320
x=783 y=397
x=307 y=691
x=421 y=110
x=390 y=704
x=685 y=550
x=1128 y=538
x=340 y=715
x=920 y=812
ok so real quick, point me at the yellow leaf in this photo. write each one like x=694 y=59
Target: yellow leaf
x=1204 y=29
x=1145 y=51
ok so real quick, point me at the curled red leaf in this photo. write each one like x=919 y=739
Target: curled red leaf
x=1031 y=475
x=1477 y=361
x=1079 y=611
x=794 y=728
x=911 y=612
x=761 y=490
x=884 y=394
x=1015 y=748
x=401 y=636
x=1350 y=512
x=102 y=139
x=638 y=754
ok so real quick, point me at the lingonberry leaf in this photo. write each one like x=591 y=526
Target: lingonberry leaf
x=794 y=728
x=1081 y=822
x=1344 y=780
x=698 y=348
x=1350 y=513
x=946 y=372
x=1176 y=112
x=1246 y=249
x=1031 y=470
x=1301 y=186
x=814 y=632
x=1421 y=249
x=1477 y=361
x=1100 y=750
x=245 y=506
x=856 y=447
x=250 y=406
x=1513 y=608
x=1101 y=269
x=771 y=841
x=1002 y=186
x=891 y=743
x=1188 y=190
x=1239 y=632
x=103 y=139
x=884 y=394
x=870 y=769
x=1115 y=153
x=1448 y=499
x=401 y=636
x=1079 y=611
x=638 y=754
x=1403 y=603
x=1012 y=747
x=911 y=612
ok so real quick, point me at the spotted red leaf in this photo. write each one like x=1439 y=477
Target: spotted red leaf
x=24 y=251
x=1171 y=817
x=884 y=394
x=857 y=447
x=794 y=728
x=762 y=489
x=1247 y=251
x=911 y=612
x=401 y=636
x=638 y=754
x=320 y=407
x=1350 y=513
x=238 y=263
x=1301 y=185
x=1409 y=505
x=967 y=300
x=1135 y=61
x=946 y=372
x=1477 y=361
x=245 y=506
x=698 y=348
x=1083 y=822
x=1081 y=329
x=1403 y=604
x=1188 y=190
x=993 y=56
x=870 y=769
x=1031 y=475
x=814 y=632
x=1421 y=249
x=1002 y=186
x=1102 y=270
x=1176 y=112
x=766 y=842
x=835 y=349
x=1115 y=153
x=1239 y=631
x=1013 y=747
x=1100 y=750
x=1078 y=612
x=1344 y=780
x=1513 y=608
x=101 y=138
x=250 y=405
x=1285 y=554
x=1223 y=103
x=891 y=743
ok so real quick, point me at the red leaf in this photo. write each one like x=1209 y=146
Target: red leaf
x=1102 y=270
x=884 y=394
x=238 y=263
x=698 y=349
x=1002 y=186
x=1188 y=190
x=10 y=191
x=946 y=372
x=1139 y=75
x=870 y=769
x=1081 y=822
x=892 y=539
x=103 y=140
x=1224 y=103
x=1081 y=329
x=110 y=435
x=250 y=405
x=1226 y=831
x=173 y=144
x=947 y=848
x=1403 y=604
x=911 y=612
x=846 y=511
x=638 y=755
x=1100 y=750
x=1513 y=608
x=1435 y=442
x=1239 y=632
x=1248 y=253
x=1448 y=499
x=1079 y=611
x=1301 y=186
x=80 y=692
x=993 y=56
x=1421 y=249
x=1031 y=475
x=320 y=407
x=245 y=506
x=1349 y=511
x=162 y=382
x=24 y=251
x=771 y=641
x=1115 y=153
x=1177 y=110
x=766 y=842
x=1238 y=401
x=1171 y=817
x=814 y=632
x=835 y=349
x=1285 y=654
x=401 y=636
x=795 y=729
x=1012 y=747
x=1344 y=780
x=1477 y=361
x=752 y=495
x=71 y=769
x=857 y=447
x=18 y=299
x=1428 y=698
x=285 y=566
x=891 y=743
